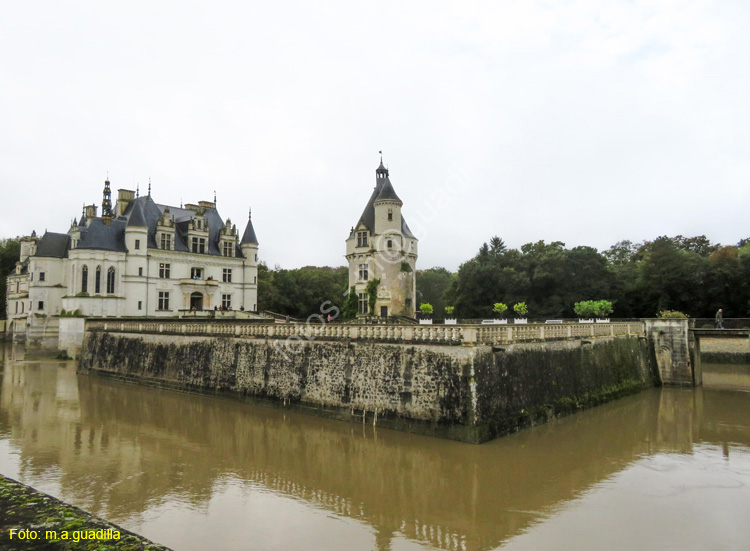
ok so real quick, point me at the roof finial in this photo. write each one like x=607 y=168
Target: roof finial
x=381 y=156
x=214 y=198
x=249 y=212
x=149 y=186
x=137 y=190
x=180 y=202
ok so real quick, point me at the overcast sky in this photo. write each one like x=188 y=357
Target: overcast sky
x=583 y=122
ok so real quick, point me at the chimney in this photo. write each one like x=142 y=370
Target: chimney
x=124 y=197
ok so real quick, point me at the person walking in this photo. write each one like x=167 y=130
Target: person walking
x=719 y=319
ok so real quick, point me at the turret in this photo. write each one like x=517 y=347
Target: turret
x=107 y=212
x=249 y=243
x=136 y=231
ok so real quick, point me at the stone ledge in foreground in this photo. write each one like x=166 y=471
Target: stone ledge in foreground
x=25 y=508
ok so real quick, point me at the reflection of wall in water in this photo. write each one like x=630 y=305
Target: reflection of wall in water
x=147 y=445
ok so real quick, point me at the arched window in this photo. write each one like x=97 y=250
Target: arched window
x=85 y=279
x=98 y=280
x=110 y=280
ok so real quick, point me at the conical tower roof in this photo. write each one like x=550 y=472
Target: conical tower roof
x=249 y=236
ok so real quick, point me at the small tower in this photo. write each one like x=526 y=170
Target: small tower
x=249 y=247
x=381 y=246
x=136 y=231
x=107 y=213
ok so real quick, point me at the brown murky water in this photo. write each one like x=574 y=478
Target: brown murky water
x=667 y=469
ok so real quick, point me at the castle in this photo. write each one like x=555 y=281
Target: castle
x=145 y=259
x=139 y=258
x=381 y=246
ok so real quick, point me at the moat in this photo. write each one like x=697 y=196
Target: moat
x=664 y=469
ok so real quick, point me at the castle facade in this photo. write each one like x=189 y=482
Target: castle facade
x=139 y=258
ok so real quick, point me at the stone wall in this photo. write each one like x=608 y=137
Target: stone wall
x=671 y=348
x=469 y=393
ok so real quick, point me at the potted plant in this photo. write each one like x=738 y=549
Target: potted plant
x=602 y=309
x=449 y=319
x=521 y=310
x=426 y=310
x=585 y=311
x=499 y=308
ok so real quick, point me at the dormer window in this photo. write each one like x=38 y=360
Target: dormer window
x=227 y=248
x=362 y=239
x=198 y=245
x=166 y=242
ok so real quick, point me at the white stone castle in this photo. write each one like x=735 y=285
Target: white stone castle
x=145 y=259
x=140 y=258
x=381 y=246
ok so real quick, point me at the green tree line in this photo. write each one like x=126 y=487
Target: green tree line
x=691 y=275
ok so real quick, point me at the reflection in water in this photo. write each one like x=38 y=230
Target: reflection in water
x=185 y=469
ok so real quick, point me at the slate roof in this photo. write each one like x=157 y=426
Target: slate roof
x=54 y=245
x=382 y=186
x=387 y=193
x=249 y=235
x=144 y=212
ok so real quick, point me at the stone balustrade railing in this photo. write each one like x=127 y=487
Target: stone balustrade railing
x=433 y=334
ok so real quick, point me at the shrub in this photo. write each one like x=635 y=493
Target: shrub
x=589 y=308
x=425 y=308
x=499 y=308
x=449 y=310
x=520 y=309
x=405 y=267
x=671 y=314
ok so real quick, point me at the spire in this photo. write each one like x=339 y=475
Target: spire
x=249 y=236
x=381 y=171
x=107 y=214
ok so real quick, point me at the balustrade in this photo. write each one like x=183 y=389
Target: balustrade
x=443 y=334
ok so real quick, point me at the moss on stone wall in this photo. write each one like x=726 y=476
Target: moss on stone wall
x=465 y=393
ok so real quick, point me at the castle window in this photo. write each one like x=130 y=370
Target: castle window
x=196 y=273
x=41 y=276
x=140 y=271
x=163 y=300
x=390 y=214
x=23 y=305
x=363 y=272
x=363 y=303
x=166 y=241
x=228 y=249
x=226 y=275
x=390 y=243
x=199 y=245
x=85 y=279
x=226 y=302
x=408 y=302
x=137 y=244
x=362 y=239
x=110 y=281
x=164 y=270
x=41 y=305
x=16 y=307
x=140 y=304
x=98 y=280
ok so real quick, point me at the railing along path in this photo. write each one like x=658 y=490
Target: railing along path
x=433 y=334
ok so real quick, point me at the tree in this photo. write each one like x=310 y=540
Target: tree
x=432 y=286
x=10 y=251
x=349 y=310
